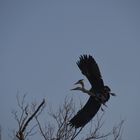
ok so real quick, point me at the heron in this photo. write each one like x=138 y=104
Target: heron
x=99 y=93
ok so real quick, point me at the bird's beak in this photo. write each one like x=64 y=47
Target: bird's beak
x=74 y=88
x=78 y=82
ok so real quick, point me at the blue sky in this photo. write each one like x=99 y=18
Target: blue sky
x=40 y=41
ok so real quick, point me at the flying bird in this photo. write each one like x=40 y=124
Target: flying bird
x=99 y=93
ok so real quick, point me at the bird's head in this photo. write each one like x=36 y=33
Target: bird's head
x=79 y=82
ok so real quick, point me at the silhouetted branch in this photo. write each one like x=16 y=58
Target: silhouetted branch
x=25 y=118
x=61 y=129
x=40 y=128
x=114 y=134
x=33 y=115
x=76 y=133
x=117 y=131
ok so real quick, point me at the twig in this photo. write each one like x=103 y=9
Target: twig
x=31 y=117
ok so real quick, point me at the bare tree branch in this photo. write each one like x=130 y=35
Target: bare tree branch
x=40 y=128
x=61 y=129
x=33 y=115
x=25 y=118
x=117 y=131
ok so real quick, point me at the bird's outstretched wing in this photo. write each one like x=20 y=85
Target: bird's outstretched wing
x=90 y=69
x=86 y=113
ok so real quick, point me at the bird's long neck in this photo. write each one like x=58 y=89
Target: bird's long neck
x=82 y=84
x=87 y=91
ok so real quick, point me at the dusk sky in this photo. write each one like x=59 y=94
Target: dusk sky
x=40 y=42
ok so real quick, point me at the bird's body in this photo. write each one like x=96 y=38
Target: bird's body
x=99 y=93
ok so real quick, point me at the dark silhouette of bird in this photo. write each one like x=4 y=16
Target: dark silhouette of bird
x=99 y=93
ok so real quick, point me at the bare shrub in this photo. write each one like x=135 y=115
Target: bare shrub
x=59 y=128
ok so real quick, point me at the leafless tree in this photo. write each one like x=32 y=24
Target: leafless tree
x=61 y=130
x=25 y=129
x=58 y=128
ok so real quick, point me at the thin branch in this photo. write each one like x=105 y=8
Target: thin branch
x=31 y=117
x=76 y=134
x=40 y=128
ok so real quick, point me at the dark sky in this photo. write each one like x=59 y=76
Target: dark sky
x=40 y=41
